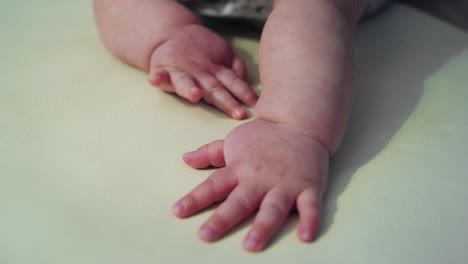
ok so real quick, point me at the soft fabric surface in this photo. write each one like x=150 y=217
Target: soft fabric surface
x=90 y=154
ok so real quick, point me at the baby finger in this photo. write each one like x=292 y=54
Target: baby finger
x=215 y=188
x=237 y=86
x=273 y=211
x=242 y=202
x=215 y=94
x=161 y=79
x=308 y=205
x=185 y=86
x=211 y=154
x=238 y=67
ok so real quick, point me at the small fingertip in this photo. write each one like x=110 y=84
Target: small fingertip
x=154 y=79
x=160 y=79
x=306 y=235
x=252 y=244
x=188 y=154
x=195 y=94
x=178 y=209
x=187 y=157
x=207 y=233
x=239 y=113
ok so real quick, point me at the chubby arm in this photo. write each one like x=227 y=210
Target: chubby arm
x=280 y=159
x=131 y=29
x=167 y=40
x=306 y=67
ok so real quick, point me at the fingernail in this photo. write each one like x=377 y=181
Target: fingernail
x=251 y=243
x=194 y=90
x=239 y=112
x=154 y=79
x=195 y=94
x=188 y=153
x=207 y=233
x=307 y=235
x=178 y=209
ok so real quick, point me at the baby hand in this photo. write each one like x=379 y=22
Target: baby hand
x=265 y=165
x=196 y=63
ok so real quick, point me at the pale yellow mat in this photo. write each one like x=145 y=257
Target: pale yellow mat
x=90 y=154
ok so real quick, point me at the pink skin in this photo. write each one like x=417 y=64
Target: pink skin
x=278 y=160
x=262 y=165
x=206 y=69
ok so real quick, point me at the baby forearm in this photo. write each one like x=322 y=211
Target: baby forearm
x=306 y=69
x=132 y=29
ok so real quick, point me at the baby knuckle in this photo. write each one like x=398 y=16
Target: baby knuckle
x=212 y=153
x=241 y=202
x=212 y=186
x=190 y=200
x=181 y=77
x=231 y=104
x=219 y=221
x=215 y=68
x=224 y=72
x=278 y=210
x=280 y=201
x=210 y=83
x=314 y=184
x=261 y=229
x=238 y=82
x=311 y=197
x=210 y=93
